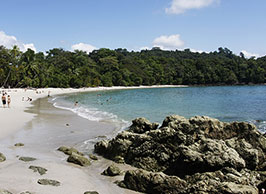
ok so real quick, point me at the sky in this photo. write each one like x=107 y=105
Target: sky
x=200 y=25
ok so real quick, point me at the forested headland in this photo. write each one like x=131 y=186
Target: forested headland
x=119 y=67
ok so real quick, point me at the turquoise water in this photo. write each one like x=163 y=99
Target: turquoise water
x=226 y=103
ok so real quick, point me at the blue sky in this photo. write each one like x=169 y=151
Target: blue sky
x=201 y=25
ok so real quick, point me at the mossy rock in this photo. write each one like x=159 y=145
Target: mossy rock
x=69 y=151
x=48 y=182
x=38 y=169
x=112 y=170
x=2 y=157
x=27 y=159
x=78 y=159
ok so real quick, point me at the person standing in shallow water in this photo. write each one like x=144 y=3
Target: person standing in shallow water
x=8 y=101
x=4 y=100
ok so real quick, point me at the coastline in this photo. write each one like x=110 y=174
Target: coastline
x=42 y=128
x=17 y=111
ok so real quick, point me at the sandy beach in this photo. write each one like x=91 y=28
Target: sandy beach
x=42 y=128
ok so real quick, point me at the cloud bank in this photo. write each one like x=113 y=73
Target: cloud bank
x=171 y=42
x=83 y=47
x=249 y=55
x=181 y=6
x=10 y=41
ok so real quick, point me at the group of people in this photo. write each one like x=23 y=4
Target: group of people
x=6 y=99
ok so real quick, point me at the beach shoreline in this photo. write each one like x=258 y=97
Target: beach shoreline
x=20 y=102
x=43 y=128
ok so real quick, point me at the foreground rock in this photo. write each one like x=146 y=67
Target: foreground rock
x=2 y=157
x=75 y=156
x=38 y=169
x=48 y=182
x=112 y=171
x=224 y=181
x=78 y=159
x=190 y=151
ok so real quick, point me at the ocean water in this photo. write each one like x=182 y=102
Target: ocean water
x=226 y=103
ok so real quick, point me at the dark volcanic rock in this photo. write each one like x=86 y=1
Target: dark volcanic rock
x=148 y=182
x=141 y=125
x=188 y=147
x=48 y=182
x=2 y=157
x=38 y=169
x=112 y=171
x=224 y=181
x=78 y=159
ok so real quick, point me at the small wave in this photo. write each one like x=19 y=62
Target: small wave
x=260 y=124
x=92 y=114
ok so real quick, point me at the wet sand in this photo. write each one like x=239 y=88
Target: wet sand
x=49 y=129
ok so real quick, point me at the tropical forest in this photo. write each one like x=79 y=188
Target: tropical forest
x=120 y=67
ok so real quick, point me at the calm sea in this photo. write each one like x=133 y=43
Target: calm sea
x=226 y=103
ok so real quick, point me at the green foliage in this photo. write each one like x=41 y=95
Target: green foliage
x=105 y=67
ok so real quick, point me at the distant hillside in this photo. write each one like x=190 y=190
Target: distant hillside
x=105 y=67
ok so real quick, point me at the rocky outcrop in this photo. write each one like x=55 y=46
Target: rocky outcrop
x=190 y=148
x=112 y=170
x=226 y=180
x=141 y=125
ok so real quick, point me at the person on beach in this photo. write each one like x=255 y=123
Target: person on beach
x=8 y=101
x=4 y=100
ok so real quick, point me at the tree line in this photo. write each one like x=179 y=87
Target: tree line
x=119 y=67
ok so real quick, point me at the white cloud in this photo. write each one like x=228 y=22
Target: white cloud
x=10 y=41
x=197 y=51
x=144 y=48
x=249 y=55
x=83 y=47
x=171 y=42
x=180 y=6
